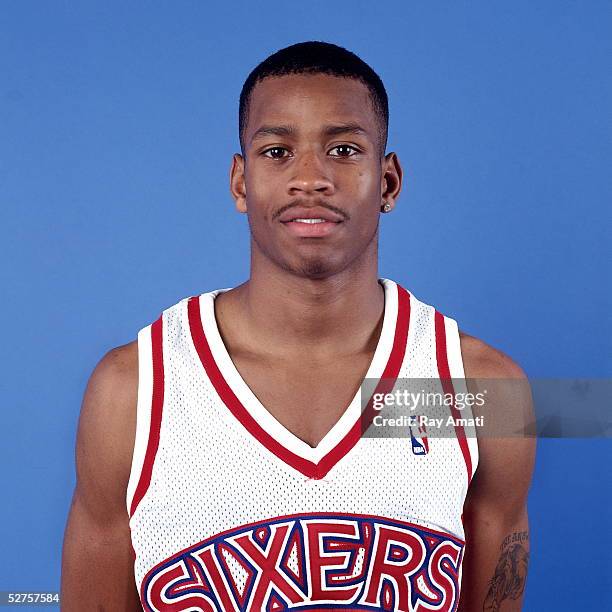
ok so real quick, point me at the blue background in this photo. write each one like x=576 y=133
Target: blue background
x=117 y=125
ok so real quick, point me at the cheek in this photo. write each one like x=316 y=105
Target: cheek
x=365 y=182
x=365 y=193
x=260 y=196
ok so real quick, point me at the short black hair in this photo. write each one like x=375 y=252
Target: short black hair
x=317 y=57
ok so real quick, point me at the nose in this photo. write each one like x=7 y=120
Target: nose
x=310 y=176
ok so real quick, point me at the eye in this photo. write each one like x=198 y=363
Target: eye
x=344 y=151
x=276 y=152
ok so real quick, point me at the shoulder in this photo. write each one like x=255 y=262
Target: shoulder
x=119 y=364
x=113 y=385
x=481 y=360
x=506 y=446
x=106 y=431
x=508 y=407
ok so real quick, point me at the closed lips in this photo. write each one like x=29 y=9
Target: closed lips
x=303 y=214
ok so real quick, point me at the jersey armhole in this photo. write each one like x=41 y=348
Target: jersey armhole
x=143 y=412
x=457 y=373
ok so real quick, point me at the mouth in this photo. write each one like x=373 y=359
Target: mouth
x=312 y=221
x=315 y=227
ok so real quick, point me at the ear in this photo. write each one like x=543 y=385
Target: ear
x=391 y=183
x=238 y=182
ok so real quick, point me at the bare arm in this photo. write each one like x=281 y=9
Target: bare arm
x=495 y=510
x=97 y=563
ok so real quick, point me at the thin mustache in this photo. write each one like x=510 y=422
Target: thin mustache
x=311 y=204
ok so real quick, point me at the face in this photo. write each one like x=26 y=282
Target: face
x=313 y=178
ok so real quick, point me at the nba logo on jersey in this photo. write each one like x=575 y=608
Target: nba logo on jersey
x=420 y=444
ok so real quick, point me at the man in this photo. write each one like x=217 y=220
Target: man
x=223 y=461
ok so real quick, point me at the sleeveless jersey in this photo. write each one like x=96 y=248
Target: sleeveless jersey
x=230 y=511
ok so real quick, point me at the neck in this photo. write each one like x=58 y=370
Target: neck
x=289 y=315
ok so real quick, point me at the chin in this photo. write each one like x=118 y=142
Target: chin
x=317 y=270
x=314 y=268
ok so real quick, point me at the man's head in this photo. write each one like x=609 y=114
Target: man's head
x=315 y=57
x=313 y=175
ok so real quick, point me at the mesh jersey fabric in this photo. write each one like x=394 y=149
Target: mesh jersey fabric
x=230 y=511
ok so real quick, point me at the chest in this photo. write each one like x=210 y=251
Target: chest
x=307 y=398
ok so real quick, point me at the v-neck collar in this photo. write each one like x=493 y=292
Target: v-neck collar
x=255 y=417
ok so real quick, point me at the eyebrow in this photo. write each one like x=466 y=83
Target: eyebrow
x=329 y=130
x=345 y=128
x=272 y=130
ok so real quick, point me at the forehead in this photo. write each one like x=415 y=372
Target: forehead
x=308 y=101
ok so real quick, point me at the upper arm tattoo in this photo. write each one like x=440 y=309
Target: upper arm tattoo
x=508 y=582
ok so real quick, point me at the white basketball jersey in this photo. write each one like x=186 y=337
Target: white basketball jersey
x=230 y=511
